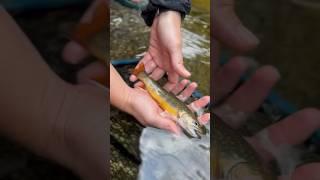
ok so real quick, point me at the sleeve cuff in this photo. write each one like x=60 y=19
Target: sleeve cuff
x=157 y=6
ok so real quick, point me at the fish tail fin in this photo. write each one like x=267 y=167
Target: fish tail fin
x=138 y=69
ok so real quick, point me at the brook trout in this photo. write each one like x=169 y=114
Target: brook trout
x=172 y=105
x=233 y=158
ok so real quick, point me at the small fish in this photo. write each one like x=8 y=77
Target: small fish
x=233 y=158
x=172 y=105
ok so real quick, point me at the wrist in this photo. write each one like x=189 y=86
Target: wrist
x=155 y=6
x=172 y=13
x=128 y=103
x=125 y=104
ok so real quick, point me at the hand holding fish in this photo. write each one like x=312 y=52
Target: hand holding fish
x=82 y=44
x=146 y=108
x=165 y=49
x=274 y=142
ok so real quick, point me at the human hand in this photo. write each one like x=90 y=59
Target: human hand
x=148 y=112
x=165 y=49
x=234 y=108
x=230 y=32
x=75 y=53
x=84 y=121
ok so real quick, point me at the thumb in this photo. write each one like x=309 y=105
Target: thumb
x=177 y=64
x=167 y=124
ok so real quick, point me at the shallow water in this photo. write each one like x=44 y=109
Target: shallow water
x=130 y=36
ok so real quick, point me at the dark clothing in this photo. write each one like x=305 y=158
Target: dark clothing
x=150 y=11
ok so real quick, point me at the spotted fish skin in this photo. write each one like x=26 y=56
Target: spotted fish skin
x=172 y=105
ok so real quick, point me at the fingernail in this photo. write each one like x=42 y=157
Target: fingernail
x=187 y=73
x=73 y=52
x=132 y=78
x=182 y=97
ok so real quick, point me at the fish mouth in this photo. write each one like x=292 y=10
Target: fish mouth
x=191 y=133
x=194 y=132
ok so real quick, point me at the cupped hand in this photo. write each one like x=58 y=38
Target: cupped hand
x=237 y=103
x=165 y=49
x=80 y=137
x=75 y=53
x=148 y=112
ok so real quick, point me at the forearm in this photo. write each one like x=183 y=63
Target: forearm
x=119 y=91
x=30 y=93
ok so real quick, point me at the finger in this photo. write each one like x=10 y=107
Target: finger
x=73 y=52
x=204 y=119
x=169 y=86
x=146 y=58
x=139 y=84
x=229 y=29
x=133 y=78
x=228 y=77
x=167 y=124
x=200 y=103
x=92 y=71
x=248 y=97
x=150 y=66
x=182 y=84
x=157 y=74
x=185 y=94
x=173 y=79
x=253 y=92
x=177 y=64
x=306 y=122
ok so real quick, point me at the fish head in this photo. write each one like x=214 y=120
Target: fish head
x=191 y=126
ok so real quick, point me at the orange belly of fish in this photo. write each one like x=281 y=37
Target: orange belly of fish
x=163 y=103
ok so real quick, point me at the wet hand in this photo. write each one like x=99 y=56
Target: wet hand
x=74 y=53
x=84 y=120
x=148 y=113
x=234 y=108
x=165 y=49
